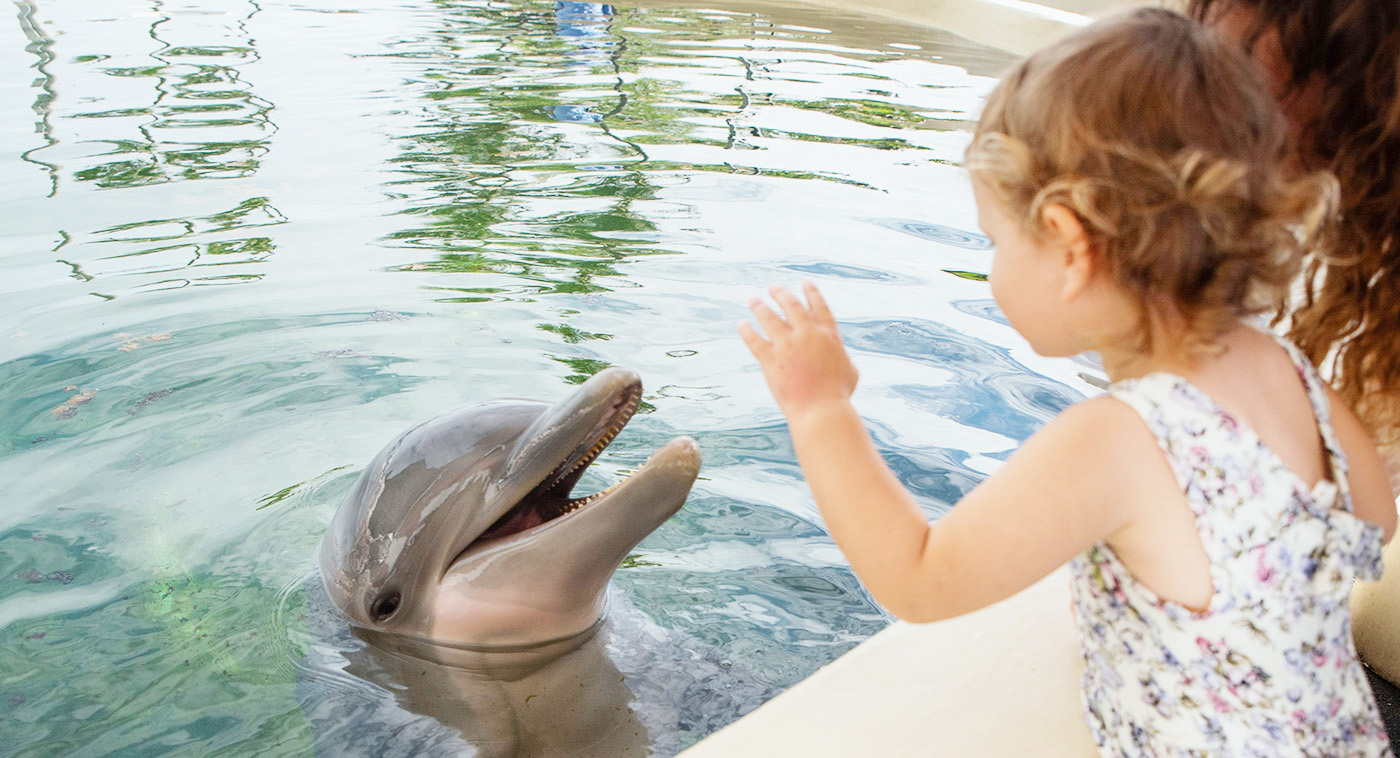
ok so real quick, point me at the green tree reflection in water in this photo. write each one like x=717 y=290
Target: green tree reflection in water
x=525 y=191
x=548 y=131
x=202 y=122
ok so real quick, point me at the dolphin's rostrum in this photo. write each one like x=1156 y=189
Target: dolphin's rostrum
x=462 y=533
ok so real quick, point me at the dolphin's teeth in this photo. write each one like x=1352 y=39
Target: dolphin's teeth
x=623 y=415
x=574 y=505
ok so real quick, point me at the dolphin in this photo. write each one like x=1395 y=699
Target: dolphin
x=475 y=585
x=462 y=536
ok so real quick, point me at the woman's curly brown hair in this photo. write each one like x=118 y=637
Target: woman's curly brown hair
x=1167 y=144
x=1348 y=317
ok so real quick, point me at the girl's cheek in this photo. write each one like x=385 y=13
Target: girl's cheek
x=996 y=279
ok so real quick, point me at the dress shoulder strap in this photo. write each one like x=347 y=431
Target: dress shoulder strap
x=1322 y=411
x=1167 y=406
x=1361 y=539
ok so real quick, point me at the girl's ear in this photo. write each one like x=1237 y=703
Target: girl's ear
x=1066 y=235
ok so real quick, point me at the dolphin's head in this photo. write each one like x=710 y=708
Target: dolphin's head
x=463 y=530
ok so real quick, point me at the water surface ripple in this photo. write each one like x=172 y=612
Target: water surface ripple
x=248 y=242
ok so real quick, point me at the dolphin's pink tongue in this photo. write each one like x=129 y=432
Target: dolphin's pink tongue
x=517 y=520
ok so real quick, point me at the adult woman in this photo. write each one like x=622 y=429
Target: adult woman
x=1335 y=68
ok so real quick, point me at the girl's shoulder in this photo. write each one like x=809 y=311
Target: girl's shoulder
x=1110 y=442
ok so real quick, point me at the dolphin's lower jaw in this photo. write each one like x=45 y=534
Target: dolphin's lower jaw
x=547 y=582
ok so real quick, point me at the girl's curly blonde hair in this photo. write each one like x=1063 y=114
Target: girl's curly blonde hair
x=1167 y=145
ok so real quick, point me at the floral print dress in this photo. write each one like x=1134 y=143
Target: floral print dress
x=1268 y=668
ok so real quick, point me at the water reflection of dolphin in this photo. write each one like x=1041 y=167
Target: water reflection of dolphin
x=480 y=584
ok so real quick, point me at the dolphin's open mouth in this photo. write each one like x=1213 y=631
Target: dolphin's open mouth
x=551 y=499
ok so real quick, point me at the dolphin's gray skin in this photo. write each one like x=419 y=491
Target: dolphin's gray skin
x=480 y=584
x=462 y=530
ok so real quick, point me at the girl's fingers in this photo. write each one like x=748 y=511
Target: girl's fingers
x=816 y=303
x=792 y=306
x=753 y=340
x=770 y=321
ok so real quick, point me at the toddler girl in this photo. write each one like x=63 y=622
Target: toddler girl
x=1216 y=504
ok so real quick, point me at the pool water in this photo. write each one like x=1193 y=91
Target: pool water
x=246 y=243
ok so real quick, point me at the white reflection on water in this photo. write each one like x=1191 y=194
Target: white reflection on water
x=246 y=243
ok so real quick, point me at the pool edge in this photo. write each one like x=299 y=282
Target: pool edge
x=999 y=682
x=1015 y=26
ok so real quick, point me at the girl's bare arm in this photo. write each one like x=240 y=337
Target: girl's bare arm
x=1065 y=489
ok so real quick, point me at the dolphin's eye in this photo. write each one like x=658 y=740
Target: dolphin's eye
x=385 y=605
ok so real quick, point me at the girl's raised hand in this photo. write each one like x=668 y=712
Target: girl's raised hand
x=802 y=357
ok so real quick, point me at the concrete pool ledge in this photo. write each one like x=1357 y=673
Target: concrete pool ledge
x=1001 y=682
x=1015 y=26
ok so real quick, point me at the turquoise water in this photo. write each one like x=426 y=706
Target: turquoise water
x=245 y=244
